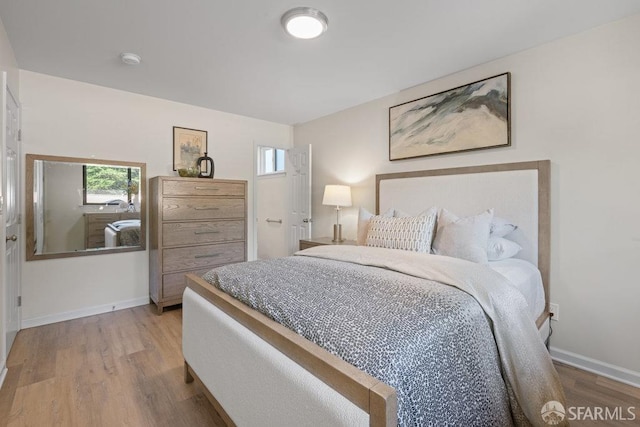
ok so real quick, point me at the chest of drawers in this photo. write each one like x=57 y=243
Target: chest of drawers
x=195 y=224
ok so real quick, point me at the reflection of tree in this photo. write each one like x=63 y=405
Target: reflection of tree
x=190 y=151
x=112 y=180
x=106 y=177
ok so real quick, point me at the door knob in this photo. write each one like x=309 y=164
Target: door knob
x=306 y=220
x=12 y=238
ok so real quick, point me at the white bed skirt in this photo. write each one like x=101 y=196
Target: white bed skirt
x=255 y=383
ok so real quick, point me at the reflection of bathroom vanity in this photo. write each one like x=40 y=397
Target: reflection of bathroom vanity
x=95 y=222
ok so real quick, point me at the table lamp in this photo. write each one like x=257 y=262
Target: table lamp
x=337 y=195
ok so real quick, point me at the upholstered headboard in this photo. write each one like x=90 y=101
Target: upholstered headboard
x=518 y=192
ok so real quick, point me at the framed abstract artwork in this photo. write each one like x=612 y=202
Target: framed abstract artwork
x=188 y=146
x=469 y=117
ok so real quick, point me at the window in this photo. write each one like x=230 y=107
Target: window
x=112 y=185
x=270 y=160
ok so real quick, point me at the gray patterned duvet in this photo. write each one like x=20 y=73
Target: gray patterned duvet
x=431 y=342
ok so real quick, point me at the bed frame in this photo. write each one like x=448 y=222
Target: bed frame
x=523 y=197
x=376 y=400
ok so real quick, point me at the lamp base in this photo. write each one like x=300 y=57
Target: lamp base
x=337 y=233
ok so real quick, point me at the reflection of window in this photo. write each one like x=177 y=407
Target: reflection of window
x=112 y=185
x=270 y=160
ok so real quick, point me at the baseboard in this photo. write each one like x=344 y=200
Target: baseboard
x=607 y=370
x=83 y=312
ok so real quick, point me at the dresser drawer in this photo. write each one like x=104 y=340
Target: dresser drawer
x=96 y=229
x=101 y=218
x=188 y=233
x=186 y=209
x=201 y=187
x=94 y=225
x=198 y=257
x=173 y=284
x=95 y=241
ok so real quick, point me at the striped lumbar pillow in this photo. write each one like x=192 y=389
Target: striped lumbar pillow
x=413 y=233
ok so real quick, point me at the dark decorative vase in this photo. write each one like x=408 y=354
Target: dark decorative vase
x=205 y=166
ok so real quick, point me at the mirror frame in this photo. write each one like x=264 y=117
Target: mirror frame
x=29 y=214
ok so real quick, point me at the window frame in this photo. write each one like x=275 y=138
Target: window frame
x=277 y=168
x=84 y=185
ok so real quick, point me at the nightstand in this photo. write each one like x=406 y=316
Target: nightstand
x=320 y=241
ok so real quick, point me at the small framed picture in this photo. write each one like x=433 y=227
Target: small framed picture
x=188 y=145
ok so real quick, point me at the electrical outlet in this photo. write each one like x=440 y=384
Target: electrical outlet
x=555 y=311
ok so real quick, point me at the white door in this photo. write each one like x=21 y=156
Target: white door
x=299 y=182
x=12 y=218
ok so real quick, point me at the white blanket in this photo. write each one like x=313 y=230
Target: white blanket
x=526 y=364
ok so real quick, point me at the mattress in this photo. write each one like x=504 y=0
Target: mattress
x=526 y=278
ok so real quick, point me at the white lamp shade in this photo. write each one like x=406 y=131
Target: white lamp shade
x=337 y=195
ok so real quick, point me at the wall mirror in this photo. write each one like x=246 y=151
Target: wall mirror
x=76 y=207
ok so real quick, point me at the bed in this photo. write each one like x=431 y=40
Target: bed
x=125 y=232
x=258 y=372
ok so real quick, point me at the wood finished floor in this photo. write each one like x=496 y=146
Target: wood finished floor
x=125 y=369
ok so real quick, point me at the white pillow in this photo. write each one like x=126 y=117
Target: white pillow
x=464 y=238
x=413 y=233
x=364 y=216
x=499 y=248
x=500 y=227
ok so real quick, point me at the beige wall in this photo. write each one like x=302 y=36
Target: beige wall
x=70 y=118
x=575 y=101
x=8 y=62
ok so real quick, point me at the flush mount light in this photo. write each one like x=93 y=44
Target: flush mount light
x=130 y=58
x=304 y=22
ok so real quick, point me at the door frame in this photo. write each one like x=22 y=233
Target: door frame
x=254 y=185
x=6 y=95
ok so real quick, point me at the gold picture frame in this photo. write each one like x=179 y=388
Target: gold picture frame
x=188 y=146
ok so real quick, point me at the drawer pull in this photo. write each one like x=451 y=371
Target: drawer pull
x=206 y=208
x=201 y=188
x=208 y=256
x=206 y=232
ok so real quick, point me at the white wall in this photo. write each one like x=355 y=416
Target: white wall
x=9 y=65
x=8 y=62
x=70 y=118
x=575 y=101
x=63 y=208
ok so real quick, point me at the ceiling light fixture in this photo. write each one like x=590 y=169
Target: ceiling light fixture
x=304 y=22
x=130 y=58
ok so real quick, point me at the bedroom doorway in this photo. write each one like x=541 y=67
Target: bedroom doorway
x=282 y=200
x=271 y=202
